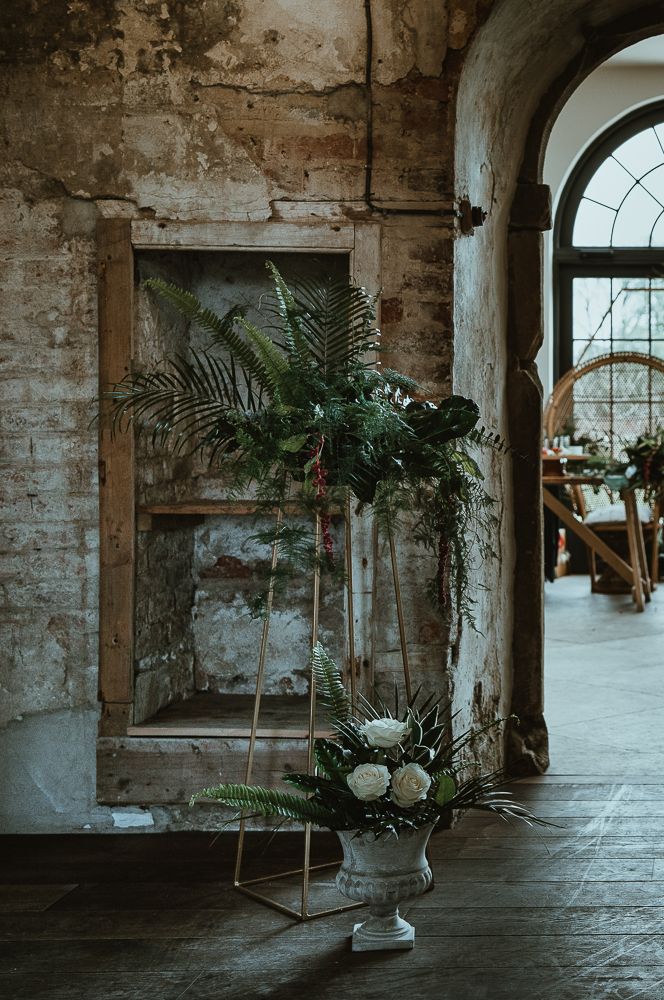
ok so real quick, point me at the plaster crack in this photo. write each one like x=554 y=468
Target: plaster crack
x=292 y=91
x=67 y=193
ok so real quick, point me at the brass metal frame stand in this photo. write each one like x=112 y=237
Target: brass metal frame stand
x=246 y=886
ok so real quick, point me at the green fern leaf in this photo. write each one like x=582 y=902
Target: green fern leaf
x=268 y=802
x=273 y=358
x=329 y=686
x=288 y=313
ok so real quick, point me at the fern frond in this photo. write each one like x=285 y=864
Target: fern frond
x=485 y=438
x=268 y=802
x=273 y=358
x=329 y=687
x=288 y=312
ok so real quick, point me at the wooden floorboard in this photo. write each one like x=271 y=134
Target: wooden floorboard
x=156 y=917
x=574 y=911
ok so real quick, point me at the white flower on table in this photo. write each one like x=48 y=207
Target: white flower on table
x=410 y=785
x=368 y=781
x=384 y=733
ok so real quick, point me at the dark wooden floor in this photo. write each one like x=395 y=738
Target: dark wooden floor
x=575 y=914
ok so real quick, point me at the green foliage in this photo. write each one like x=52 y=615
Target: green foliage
x=267 y=802
x=641 y=469
x=326 y=797
x=293 y=407
x=645 y=468
x=329 y=687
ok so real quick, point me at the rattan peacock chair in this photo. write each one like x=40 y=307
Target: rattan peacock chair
x=607 y=402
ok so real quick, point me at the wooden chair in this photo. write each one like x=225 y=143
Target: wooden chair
x=608 y=401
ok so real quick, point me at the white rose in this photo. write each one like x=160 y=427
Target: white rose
x=368 y=781
x=410 y=784
x=384 y=733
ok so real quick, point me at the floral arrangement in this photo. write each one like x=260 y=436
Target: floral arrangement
x=642 y=468
x=300 y=409
x=645 y=467
x=383 y=771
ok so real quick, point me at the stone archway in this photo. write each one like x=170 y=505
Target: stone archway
x=519 y=72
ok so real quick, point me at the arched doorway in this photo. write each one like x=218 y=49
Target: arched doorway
x=499 y=278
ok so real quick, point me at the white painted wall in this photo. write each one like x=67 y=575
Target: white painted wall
x=627 y=81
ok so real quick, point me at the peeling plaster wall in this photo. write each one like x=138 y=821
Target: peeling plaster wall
x=224 y=110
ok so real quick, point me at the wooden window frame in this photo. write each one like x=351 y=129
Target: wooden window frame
x=118 y=240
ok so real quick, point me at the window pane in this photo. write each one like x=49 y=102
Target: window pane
x=586 y=350
x=654 y=183
x=615 y=314
x=640 y=153
x=631 y=312
x=609 y=184
x=657 y=238
x=635 y=219
x=657 y=311
x=592 y=226
x=591 y=309
x=659 y=129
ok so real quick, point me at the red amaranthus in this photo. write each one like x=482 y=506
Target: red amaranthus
x=320 y=482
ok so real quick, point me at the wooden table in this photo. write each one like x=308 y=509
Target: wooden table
x=636 y=572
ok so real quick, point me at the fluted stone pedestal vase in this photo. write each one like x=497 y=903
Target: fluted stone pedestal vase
x=383 y=872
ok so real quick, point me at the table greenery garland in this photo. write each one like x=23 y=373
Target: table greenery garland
x=296 y=409
x=642 y=467
x=384 y=770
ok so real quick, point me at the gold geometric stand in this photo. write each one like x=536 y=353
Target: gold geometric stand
x=245 y=886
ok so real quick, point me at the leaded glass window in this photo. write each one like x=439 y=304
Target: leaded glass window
x=609 y=245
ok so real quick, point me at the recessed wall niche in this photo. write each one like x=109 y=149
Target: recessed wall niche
x=195 y=644
x=178 y=653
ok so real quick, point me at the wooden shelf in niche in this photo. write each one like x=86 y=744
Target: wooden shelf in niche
x=229 y=716
x=162 y=516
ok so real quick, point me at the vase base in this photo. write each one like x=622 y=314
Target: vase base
x=402 y=939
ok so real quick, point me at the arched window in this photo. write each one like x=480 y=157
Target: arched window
x=609 y=245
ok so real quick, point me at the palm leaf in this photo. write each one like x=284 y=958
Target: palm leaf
x=486 y=792
x=222 y=328
x=329 y=686
x=188 y=399
x=268 y=802
x=456 y=745
x=336 y=321
x=329 y=757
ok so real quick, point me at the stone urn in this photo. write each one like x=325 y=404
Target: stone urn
x=383 y=872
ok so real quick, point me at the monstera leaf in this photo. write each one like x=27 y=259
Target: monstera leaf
x=434 y=425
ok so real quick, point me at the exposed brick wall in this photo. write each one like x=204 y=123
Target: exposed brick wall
x=223 y=110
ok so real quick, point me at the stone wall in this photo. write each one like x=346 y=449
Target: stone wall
x=225 y=110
